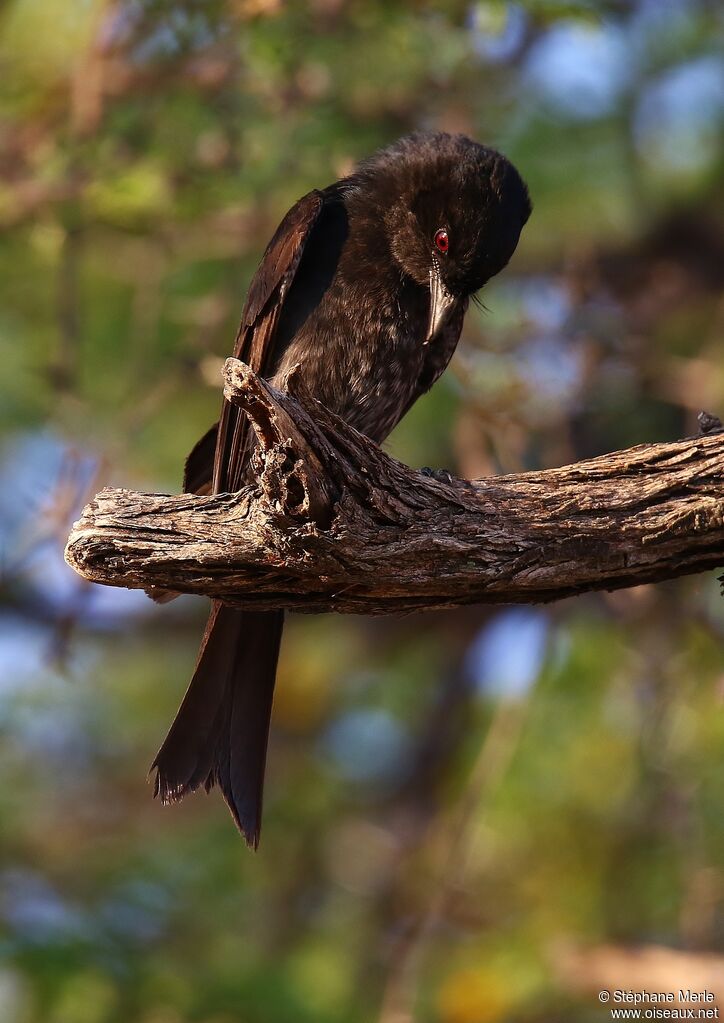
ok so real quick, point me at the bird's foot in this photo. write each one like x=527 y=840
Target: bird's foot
x=441 y=475
x=709 y=424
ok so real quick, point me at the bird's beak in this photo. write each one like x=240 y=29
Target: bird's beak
x=441 y=304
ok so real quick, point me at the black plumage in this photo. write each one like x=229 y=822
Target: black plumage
x=362 y=293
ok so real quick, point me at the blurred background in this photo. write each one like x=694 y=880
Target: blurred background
x=472 y=816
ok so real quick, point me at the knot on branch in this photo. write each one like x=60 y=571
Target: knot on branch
x=289 y=459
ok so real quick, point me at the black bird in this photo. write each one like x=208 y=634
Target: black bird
x=364 y=287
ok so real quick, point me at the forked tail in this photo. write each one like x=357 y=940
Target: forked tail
x=220 y=733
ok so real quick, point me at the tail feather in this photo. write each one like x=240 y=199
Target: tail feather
x=220 y=733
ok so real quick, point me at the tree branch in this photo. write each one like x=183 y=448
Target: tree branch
x=332 y=523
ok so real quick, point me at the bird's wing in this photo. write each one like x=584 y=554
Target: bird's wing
x=199 y=466
x=219 y=735
x=256 y=339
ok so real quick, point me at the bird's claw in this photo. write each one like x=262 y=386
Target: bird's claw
x=708 y=424
x=440 y=475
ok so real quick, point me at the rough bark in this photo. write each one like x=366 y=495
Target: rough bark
x=332 y=523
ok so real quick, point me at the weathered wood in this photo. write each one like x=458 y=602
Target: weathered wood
x=332 y=523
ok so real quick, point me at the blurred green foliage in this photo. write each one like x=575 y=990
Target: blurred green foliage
x=459 y=807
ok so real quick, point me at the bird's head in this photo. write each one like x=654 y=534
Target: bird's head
x=452 y=211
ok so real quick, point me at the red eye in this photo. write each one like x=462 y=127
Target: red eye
x=442 y=242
